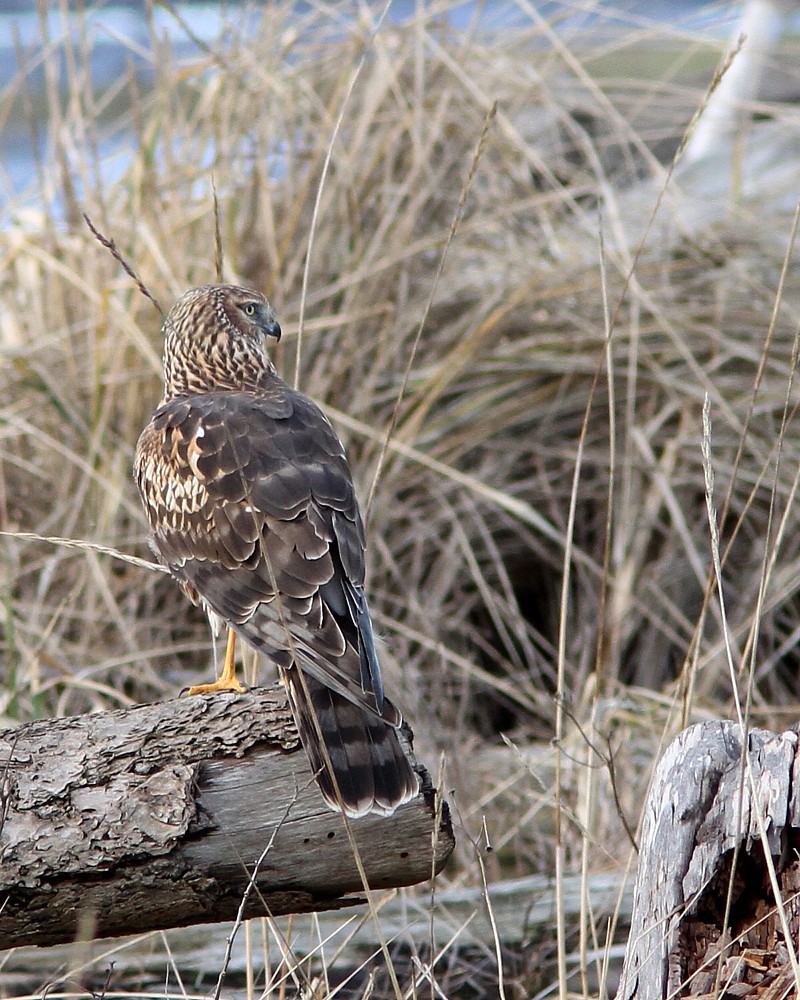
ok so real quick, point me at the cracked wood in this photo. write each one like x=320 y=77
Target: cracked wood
x=719 y=805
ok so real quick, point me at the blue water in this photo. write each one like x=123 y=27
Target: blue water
x=118 y=35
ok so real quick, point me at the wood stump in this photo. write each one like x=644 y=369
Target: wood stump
x=722 y=810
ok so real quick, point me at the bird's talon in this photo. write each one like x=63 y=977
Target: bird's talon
x=227 y=687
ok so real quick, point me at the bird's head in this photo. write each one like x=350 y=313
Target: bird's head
x=214 y=337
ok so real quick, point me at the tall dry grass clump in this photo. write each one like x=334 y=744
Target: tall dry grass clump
x=544 y=391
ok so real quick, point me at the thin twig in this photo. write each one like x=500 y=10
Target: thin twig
x=218 y=257
x=487 y=124
x=77 y=543
x=237 y=923
x=112 y=248
x=320 y=188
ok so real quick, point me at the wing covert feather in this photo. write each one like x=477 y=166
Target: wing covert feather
x=265 y=492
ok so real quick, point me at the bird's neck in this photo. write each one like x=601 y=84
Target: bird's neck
x=214 y=368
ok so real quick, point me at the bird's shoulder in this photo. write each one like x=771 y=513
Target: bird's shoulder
x=277 y=416
x=273 y=450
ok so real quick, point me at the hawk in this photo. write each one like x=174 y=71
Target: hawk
x=251 y=505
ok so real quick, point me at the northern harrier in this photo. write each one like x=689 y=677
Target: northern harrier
x=251 y=506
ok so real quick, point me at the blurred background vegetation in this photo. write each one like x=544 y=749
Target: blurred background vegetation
x=539 y=545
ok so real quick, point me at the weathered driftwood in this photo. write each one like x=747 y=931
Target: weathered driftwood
x=710 y=810
x=450 y=918
x=156 y=817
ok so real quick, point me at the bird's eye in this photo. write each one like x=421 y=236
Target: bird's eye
x=249 y=309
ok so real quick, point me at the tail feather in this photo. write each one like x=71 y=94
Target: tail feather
x=369 y=765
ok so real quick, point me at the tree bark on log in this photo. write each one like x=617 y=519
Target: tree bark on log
x=722 y=812
x=156 y=817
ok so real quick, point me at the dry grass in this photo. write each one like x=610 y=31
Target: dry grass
x=513 y=374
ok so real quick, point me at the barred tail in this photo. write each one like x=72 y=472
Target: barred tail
x=370 y=768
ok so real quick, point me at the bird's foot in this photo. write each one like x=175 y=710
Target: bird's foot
x=221 y=684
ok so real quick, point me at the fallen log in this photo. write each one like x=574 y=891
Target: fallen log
x=716 y=908
x=172 y=814
x=454 y=919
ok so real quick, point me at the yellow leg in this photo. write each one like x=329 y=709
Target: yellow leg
x=227 y=679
